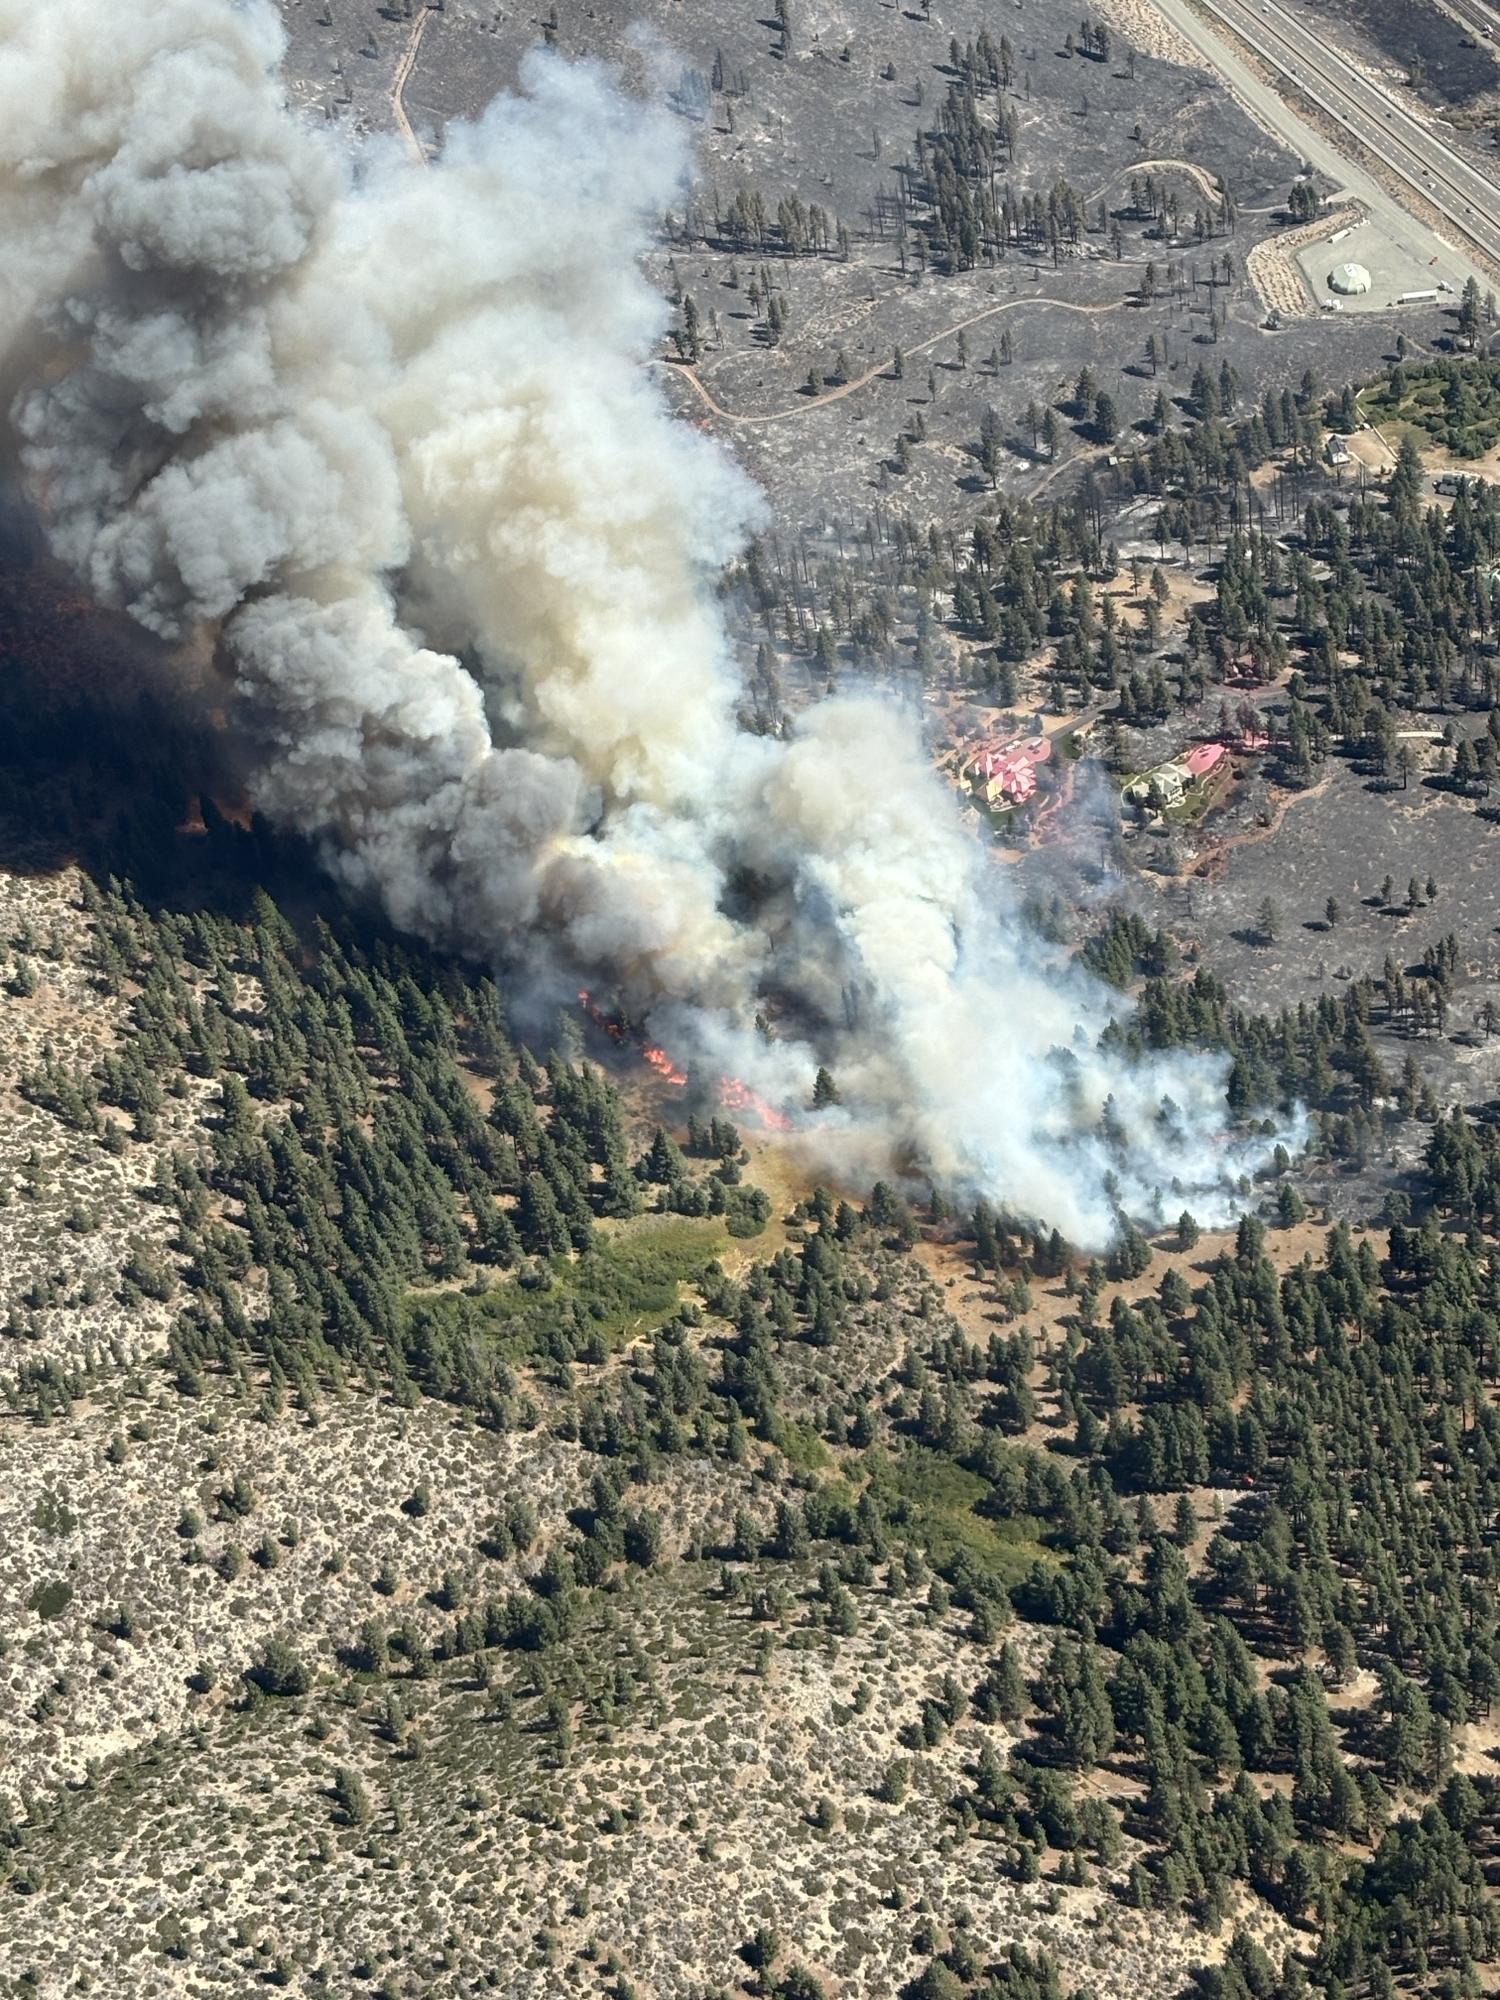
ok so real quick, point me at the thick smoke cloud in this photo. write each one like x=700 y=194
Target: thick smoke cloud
x=382 y=436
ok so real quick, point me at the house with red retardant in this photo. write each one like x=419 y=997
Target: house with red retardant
x=1197 y=779
x=1001 y=775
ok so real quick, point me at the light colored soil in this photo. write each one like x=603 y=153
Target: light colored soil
x=339 y=1489
x=48 y=1169
x=481 y=1838
x=1144 y=25
x=1272 y=265
x=402 y=77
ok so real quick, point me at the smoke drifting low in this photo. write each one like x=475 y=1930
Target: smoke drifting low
x=381 y=437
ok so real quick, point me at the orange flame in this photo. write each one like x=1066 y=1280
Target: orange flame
x=734 y=1094
x=737 y=1096
x=599 y=1018
x=665 y=1068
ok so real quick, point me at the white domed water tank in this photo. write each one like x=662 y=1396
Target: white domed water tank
x=1349 y=280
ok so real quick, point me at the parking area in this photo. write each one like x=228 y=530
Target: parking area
x=1364 y=249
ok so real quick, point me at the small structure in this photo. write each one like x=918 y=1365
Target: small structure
x=1337 y=451
x=1350 y=281
x=1000 y=776
x=1246 y=670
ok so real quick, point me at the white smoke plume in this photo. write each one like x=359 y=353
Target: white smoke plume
x=383 y=436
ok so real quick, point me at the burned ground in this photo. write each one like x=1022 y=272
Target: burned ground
x=811 y=125
x=1340 y=840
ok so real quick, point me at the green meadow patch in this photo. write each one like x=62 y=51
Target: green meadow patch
x=625 y=1287
x=940 y=1500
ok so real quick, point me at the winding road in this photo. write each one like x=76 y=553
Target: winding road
x=809 y=403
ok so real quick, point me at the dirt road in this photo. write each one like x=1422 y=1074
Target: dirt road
x=808 y=403
x=402 y=77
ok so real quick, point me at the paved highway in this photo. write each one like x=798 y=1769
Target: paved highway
x=1407 y=147
x=1478 y=15
x=1416 y=161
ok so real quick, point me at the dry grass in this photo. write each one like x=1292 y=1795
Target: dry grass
x=73 y=1211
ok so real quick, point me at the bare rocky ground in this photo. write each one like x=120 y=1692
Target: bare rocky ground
x=125 y=1506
